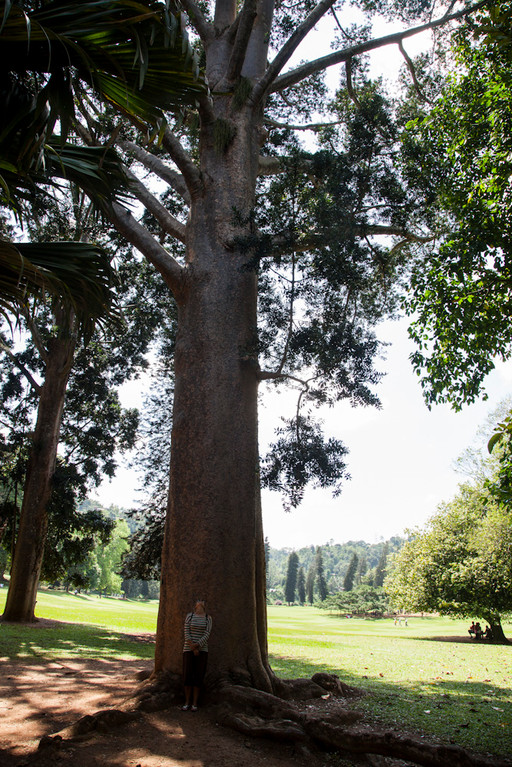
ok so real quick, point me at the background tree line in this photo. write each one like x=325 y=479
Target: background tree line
x=312 y=573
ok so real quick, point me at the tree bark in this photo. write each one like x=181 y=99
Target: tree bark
x=213 y=545
x=28 y=553
x=498 y=635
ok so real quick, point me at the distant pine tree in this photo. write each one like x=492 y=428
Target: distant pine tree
x=321 y=583
x=310 y=584
x=301 y=585
x=348 y=581
x=380 y=571
x=291 y=578
x=361 y=570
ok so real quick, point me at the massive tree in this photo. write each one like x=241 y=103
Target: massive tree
x=259 y=216
x=274 y=256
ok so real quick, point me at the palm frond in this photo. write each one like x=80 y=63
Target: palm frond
x=78 y=273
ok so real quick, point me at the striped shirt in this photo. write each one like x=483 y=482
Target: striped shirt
x=197 y=631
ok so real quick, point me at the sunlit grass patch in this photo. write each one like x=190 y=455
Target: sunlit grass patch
x=88 y=627
x=424 y=676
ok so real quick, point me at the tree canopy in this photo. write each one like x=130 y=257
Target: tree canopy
x=460 y=151
x=459 y=563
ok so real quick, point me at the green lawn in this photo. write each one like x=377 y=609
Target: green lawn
x=454 y=690
x=92 y=628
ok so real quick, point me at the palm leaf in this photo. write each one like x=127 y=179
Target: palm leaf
x=79 y=273
x=121 y=48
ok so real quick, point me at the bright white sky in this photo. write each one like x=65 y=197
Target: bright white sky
x=401 y=457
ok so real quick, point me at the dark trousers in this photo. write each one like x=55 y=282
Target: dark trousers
x=194 y=668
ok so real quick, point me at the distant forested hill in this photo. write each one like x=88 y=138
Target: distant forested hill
x=336 y=559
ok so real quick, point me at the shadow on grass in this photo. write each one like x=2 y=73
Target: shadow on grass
x=463 y=640
x=59 y=639
x=476 y=715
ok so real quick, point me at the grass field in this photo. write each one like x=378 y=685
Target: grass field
x=420 y=677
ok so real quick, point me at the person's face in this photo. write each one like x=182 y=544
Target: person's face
x=199 y=608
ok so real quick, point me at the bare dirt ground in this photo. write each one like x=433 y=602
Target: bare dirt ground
x=41 y=697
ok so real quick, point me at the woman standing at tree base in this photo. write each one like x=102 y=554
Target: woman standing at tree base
x=198 y=626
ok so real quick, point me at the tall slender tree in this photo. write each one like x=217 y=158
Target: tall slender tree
x=321 y=583
x=381 y=569
x=291 y=577
x=301 y=585
x=310 y=585
x=348 y=581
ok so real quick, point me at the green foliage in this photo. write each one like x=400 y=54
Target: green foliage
x=336 y=560
x=105 y=563
x=143 y=560
x=460 y=563
x=500 y=484
x=300 y=457
x=133 y=55
x=460 y=158
x=380 y=570
x=362 y=600
x=321 y=583
x=72 y=534
x=310 y=585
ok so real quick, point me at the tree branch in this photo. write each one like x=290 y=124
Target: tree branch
x=245 y=24
x=225 y=15
x=156 y=166
x=274 y=375
x=169 y=223
x=36 y=335
x=26 y=372
x=198 y=21
x=295 y=76
x=272 y=166
x=140 y=238
x=308 y=126
x=284 y=243
x=412 y=71
x=350 y=85
x=191 y=174
x=289 y=49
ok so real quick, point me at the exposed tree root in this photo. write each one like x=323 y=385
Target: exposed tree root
x=285 y=716
x=338 y=728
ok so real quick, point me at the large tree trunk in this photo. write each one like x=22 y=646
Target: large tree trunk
x=214 y=539
x=498 y=635
x=28 y=554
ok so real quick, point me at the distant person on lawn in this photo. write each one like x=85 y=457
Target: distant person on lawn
x=198 y=626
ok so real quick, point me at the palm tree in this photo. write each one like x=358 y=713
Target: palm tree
x=135 y=57
x=130 y=54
